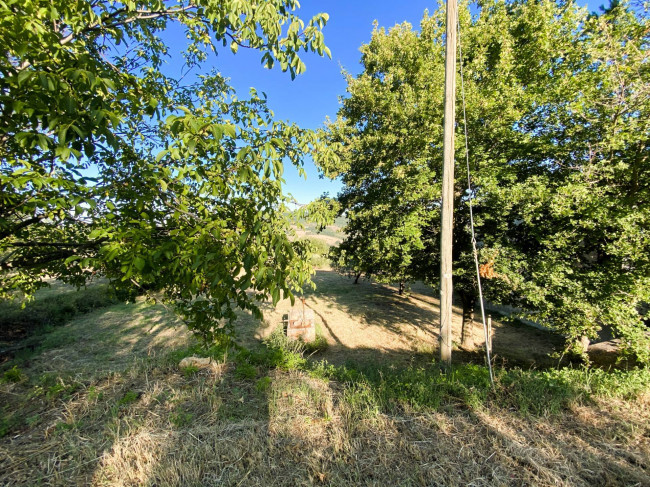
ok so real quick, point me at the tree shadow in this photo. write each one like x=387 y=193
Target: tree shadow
x=564 y=449
x=370 y=302
x=369 y=316
x=375 y=425
x=210 y=431
x=76 y=393
x=386 y=417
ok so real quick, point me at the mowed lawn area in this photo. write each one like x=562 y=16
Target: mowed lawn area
x=98 y=398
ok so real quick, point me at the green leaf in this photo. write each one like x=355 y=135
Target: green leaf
x=161 y=155
x=112 y=147
x=139 y=263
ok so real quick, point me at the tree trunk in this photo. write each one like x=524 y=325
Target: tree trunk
x=356 y=280
x=401 y=288
x=467 y=333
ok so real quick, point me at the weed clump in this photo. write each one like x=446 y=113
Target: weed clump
x=245 y=370
x=319 y=345
x=129 y=398
x=14 y=374
x=181 y=419
x=190 y=370
x=283 y=353
x=263 y=384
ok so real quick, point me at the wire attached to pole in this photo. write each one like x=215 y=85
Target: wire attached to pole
x=471 y=211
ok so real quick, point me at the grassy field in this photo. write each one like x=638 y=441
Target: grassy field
x=101 y=400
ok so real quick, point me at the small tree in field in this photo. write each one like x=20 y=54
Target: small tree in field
x=108 y=165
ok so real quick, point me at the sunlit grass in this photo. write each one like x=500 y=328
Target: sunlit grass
x=103 y=401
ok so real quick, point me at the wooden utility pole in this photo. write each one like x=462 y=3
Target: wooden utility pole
x=447 y=221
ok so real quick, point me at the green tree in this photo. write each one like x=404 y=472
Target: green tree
x=570 y=240
x=385 y=158
x=388 y=137
x=111 y=166
x=557 y=112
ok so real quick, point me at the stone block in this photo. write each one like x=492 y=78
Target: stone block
x=301 y=324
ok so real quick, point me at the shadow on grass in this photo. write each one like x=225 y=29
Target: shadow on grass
x=270 y=415
x=25 y=324
x=370 y=302
x=402 y=327
x=365 y=424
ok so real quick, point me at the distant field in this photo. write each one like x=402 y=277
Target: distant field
x=100 y=400
x=332 y=234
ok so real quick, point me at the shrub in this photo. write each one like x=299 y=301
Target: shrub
x=281 y=352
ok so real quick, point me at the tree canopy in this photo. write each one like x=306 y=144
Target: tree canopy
x=558 y=111
x=387 y=162
x=110 y=165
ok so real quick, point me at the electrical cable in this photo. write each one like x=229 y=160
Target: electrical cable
x=471 y=211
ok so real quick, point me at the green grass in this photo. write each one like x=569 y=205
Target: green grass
x=369 y=387
x=245 y=370
x=190 y=370
x=373 y=388
x=379 y=388
x=319 y=345
x=14 y=374
x=50 y=308
x=128 y=398
x=263 y=384
x=181 y=419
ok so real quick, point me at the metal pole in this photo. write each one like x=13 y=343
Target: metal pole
x=489 y=334
x=447 y=221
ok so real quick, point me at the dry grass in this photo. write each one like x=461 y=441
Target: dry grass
x=105 y=403
x=215 y=430
x=370 y=322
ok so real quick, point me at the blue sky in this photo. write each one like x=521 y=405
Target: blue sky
x=314 y=95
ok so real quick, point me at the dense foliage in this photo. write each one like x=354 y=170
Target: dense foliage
x=558 y=107
x=110 y=165
x=388 y=163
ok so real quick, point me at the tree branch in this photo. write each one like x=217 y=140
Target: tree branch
x=58 y=244
x=20 y=226
x=115 y=22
